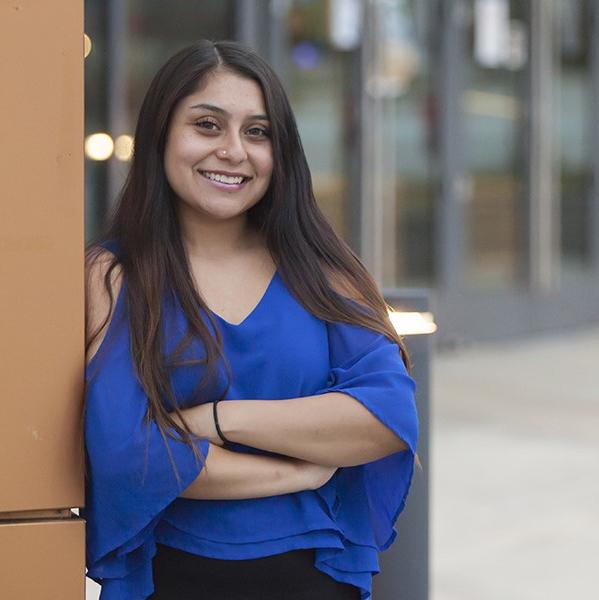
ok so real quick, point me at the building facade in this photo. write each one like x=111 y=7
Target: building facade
x=453 y=143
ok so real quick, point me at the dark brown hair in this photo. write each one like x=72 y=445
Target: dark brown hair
x=319 y=268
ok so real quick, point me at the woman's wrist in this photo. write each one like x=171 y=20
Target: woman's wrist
x=216 y=423
x=200 y=420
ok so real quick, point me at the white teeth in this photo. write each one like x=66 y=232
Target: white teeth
x=222 y=178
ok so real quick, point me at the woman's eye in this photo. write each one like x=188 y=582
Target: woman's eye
x=209 y=125
x=258 y=132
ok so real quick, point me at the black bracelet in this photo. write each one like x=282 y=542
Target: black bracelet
x=218 y=429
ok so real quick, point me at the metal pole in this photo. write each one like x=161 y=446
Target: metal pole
x=247 y=14
x=405 y=565
x=372 y=198
x=594 y=199
x=450 y=219
x=278 y=55
x=544 y=185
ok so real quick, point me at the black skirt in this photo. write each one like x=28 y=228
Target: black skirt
x=179 y=575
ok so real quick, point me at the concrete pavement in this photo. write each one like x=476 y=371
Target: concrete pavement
x=515 y=470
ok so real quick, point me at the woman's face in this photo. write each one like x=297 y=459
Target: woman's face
x=218 y=154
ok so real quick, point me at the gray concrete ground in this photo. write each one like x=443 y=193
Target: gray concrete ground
x=515 y=470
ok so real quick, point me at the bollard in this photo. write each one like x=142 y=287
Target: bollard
x=405 y=565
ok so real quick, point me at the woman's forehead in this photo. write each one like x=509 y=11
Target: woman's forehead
x=227 y=91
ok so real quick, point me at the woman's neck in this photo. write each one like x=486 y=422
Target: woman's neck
x=218 y=240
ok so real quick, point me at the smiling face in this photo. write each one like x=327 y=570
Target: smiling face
x=218 y=154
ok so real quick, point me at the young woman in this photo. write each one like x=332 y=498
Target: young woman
x=250 y=419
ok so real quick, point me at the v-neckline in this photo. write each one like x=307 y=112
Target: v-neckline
x=254 y=310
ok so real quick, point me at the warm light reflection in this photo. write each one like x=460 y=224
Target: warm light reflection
x=123 y=147
x=99 y=146
x=87 y=45
x=413 y=323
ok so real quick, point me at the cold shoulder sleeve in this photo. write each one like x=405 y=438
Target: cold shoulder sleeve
x=368 y=366
x=130 y=476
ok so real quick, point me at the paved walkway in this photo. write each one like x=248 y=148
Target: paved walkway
x=515 y=472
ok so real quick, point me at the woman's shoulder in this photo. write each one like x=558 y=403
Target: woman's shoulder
x=99 y=260
x=103 y=282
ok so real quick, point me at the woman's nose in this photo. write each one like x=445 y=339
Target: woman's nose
x=232 y=150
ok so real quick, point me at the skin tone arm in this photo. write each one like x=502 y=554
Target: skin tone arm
x=231 y=475
x=330 y=429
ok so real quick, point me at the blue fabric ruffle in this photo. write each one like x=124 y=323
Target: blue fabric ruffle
x=130 y=478
x=366 y=500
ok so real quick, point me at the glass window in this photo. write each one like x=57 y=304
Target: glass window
x=400 y=140
x=416 y=127
x=573 y=129
x=494 y=122
x=319 y=81
x=157 y=29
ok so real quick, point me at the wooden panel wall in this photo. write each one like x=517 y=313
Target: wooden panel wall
x=41 y=254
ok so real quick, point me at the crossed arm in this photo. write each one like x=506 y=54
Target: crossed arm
x=312 y=433
x=330 y=429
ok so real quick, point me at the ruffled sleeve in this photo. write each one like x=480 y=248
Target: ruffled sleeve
x=368 y=366
x=130 y=476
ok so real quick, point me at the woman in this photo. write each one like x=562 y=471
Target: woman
x=250 y=421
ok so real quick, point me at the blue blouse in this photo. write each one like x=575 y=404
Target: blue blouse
x=279 y=351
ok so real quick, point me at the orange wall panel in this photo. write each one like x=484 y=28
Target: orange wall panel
x=41 y=254
x=43 y=560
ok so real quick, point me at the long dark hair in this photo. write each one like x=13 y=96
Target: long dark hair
x=319 y=268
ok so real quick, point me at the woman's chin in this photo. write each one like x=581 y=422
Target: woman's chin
x=221 y=211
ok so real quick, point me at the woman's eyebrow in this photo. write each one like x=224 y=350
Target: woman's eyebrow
x=225 y=113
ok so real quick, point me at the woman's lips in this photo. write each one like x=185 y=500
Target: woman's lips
x=230 y=187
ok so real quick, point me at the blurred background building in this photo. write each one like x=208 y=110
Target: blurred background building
x=453 y=143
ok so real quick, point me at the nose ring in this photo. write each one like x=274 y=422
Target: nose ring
x=221 y=153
